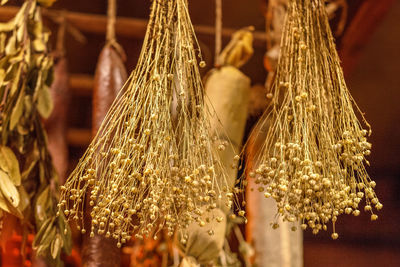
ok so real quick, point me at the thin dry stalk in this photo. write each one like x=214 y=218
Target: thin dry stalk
x=312 y=162
x=154 y=159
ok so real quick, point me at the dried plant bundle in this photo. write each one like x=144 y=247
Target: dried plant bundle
x=152 y=164
x=312 y=162
x=27 y=176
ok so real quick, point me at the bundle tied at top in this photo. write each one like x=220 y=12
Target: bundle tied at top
x=153 y=162
x=312 y=161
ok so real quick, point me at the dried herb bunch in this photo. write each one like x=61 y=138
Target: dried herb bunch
x=312 y=162
x=153 y=163
x=27 y=175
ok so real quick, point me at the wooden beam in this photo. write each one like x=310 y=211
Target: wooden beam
x=360 y=30
x=81 y=84
x=79 y=137
x=125 y=27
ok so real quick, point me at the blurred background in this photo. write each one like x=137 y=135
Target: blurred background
x=370 y=52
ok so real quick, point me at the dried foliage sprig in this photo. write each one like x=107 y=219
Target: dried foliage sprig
x=152 y=164
x=28 y=179
x=312 y=162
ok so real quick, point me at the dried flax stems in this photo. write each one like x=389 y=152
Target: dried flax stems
x=312 y=162
x=153 y=164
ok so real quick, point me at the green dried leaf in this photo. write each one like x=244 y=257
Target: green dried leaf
x=56 y=245
x=16 y=78
x=45 y=102
x=8 y=189
x=3 y=204
x=66 y=235
x=43 y=202
x=17 y=111
x=25 y=200
x=43 y=239
x=38 y=45
x=11 y=45
x=11 y=69
x=30 y=161
x=9 y=164
x=2 y=74
x=17 y=58
x=45 y=227
x=7 y=26
x=20 y=33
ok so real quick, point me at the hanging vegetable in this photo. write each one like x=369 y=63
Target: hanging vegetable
x=312 y=161
x=28 y=179
x=110 y=77
x=152 y=164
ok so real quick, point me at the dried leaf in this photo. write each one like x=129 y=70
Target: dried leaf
x=15 y=82
x=25 y=200
x=20 y=33
x=2 y=74
x=11 y=45
x=7 y=26
x=8 y=189
x=9 y=164
x=66 y=236
x=56 y=245
x=46 y=241
x=17 y=111
x=38 y=45
x=45 y=102
x=42 y=204
x=3 y=204
x=30 y=161
x=45 y=227
x=42 y=242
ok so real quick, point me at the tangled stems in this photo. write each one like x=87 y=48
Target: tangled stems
x=312 y=162
x=153 y=164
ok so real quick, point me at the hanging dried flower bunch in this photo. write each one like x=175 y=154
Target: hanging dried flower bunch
x=152 y=164
x=27 y=175
x=312 y=162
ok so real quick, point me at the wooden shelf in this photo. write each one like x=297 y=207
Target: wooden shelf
x=126 y=27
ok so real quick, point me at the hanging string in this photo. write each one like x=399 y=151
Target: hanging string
x=111 y=19
x=218 y=31
x=60 y=45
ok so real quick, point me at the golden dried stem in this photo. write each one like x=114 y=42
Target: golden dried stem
x=154 y=157
x=312 y=162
